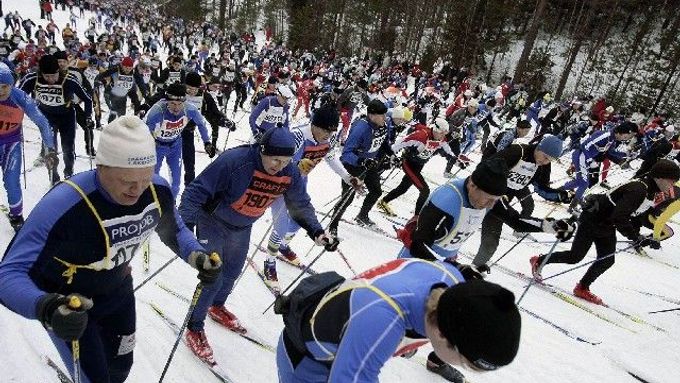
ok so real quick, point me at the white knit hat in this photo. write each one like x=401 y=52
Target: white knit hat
x=126 y=142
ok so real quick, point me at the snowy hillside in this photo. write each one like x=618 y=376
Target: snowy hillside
x=614 y=342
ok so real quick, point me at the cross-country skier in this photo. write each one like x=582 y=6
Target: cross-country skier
x=605 y=214
x=13 y=104
x=365 y=151
x=528 y=164
x=120 y=84
x=349 y=333
x=587 y=158
x=314 y=142
x=419 y=147
x=167 y=119
x=53 y=91
x=272 y=111
x=451 y=215
x=78 y=243
x=225 y=200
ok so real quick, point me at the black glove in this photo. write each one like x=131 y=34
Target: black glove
x=391 y=162
x=89 y=124
x=227 y=123
x=469 y=271
x=645 y=241
x=208 y=266
x=565 y=196
x=368 y=163
x=210 y=149
x=60 y=314
x=563 y=228
x=51 y=159
x=326 y=240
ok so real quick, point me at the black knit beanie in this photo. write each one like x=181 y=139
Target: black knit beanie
x=665 y=169
x=491 y=176
x=326 y=118
x=481 y=319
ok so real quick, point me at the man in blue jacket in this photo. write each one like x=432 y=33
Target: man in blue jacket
x=78 y=243
x=366 y=149
x=225 y=200
x=391 y=310
x=166 y=120
x=271 y=111
x=13 y=104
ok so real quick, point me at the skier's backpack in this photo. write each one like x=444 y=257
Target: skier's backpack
x=303 y=300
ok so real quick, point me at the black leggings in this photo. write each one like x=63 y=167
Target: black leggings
x=589 y=232
x=412 y=176
x=371 y=181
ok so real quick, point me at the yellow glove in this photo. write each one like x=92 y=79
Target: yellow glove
x=306 y=165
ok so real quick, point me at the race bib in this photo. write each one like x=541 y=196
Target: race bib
x=170 y=130
x=126 y=235
x=379 y=136
x=125 y=82
x=430 y=148
x=49 y=95
x=521 y=175
x=229 y=76
x=274 y=115
x=262 y=191
x=469 y=222
x=173 y=77
x=10 y=119
x=316 y=152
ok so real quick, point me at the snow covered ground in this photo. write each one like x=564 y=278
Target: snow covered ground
x=635 y=286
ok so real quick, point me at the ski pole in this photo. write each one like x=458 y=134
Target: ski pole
x=150 y=277
x=509 y=250
x=23 y=157
x=297 y=278
x=664 y=311
x=226 y=141
x=146 y=256
x=589 y=262
x=545 y=260
x=347 y=262
x=259 y=245
x=192 y=306
x=75 y=304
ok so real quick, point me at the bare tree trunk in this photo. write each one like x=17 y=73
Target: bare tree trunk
x=529 y=40
x=671 y=71
x=671 y=91
x=580 y=31
x=637 y=40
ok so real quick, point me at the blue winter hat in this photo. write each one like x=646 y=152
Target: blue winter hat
x=6 y=76
x=551 y=146
x=277 y=142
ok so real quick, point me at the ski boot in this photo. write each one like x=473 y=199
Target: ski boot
x=446 y=371
x=290 y=256
x=363 y=220
x=270 y=277
x=536 y=268
x=198 y=344
x=221 y=315
x=386 y=208
x=584 y=293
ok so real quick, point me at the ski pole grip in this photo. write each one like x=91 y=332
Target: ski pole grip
x=74 y=302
